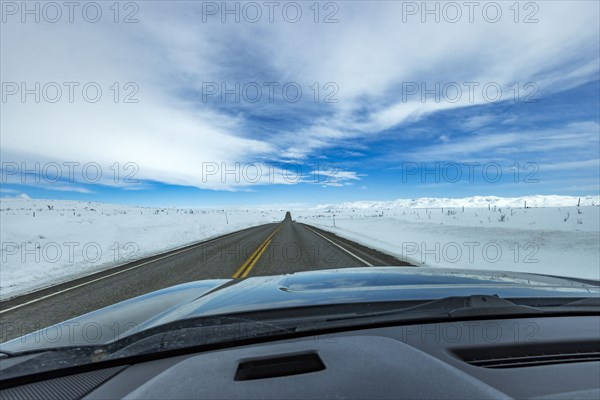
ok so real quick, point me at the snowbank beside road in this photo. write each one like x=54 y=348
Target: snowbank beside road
x=552 y=240
x=45 y=242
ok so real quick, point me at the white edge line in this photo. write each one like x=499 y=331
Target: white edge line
x=110 y=275
x=188 y=246
x=335 y=244
x=151 y=261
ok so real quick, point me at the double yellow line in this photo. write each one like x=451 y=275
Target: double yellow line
x=247 y=266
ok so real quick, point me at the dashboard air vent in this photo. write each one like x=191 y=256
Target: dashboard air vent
x=530 y=355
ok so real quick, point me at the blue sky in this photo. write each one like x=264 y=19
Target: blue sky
x=387 y=109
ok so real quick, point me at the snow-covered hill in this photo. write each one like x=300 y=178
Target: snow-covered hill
x=475 y=201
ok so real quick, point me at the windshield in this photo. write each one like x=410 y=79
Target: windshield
x=214 y=332
x=168 y=161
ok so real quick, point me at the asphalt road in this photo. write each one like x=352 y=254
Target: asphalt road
x=270 y=249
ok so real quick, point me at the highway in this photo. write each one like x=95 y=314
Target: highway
x=270 y=249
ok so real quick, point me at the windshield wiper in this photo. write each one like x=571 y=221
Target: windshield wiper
x=469 y=306
x=4 y=354
x=179 y=334
x=195 y=331
x=223 y=329
x=189 y=333
x=588 y=302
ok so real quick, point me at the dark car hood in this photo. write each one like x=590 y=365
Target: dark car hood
x=220 y=296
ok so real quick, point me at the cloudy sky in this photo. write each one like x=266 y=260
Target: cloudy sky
x=209 y=103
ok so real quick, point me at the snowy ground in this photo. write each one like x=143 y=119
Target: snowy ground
x=49 y=241
x=485 y=233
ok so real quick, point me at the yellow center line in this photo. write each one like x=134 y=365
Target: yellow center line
x=247 y=266
x=251 y=265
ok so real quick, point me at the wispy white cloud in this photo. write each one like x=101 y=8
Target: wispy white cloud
x=69 y=188
x=8 y=191
x=575 y=139
x=171 y=133
x=478 y=121
x=333 y=176
x=572 y=165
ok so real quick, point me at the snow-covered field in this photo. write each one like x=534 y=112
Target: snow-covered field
x=49 y=241
x=553 y=237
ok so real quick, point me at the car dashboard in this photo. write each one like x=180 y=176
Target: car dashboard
x=533 y=358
